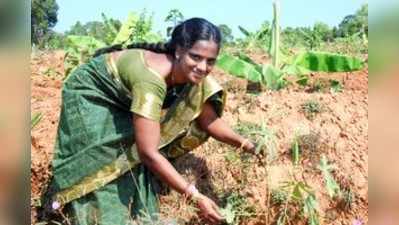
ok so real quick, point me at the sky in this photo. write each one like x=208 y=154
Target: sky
x=249 y=14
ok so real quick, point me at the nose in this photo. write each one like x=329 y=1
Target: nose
x=201 y=66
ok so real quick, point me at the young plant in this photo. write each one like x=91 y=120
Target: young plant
x=35 y=119
x=332 y=187
x=301 y=195
x=336 y=86
x=263 y=137
x=278 y=196
x=236 y=209
x=295 y=151
x=311 y=108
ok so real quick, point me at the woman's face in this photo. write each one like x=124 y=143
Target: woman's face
x=198 y=61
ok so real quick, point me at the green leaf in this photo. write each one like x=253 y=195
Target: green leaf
x=112 y=31
x=336 y=86
x=297 y=193
x=303 y=80
x=76 y=44
x=295 y=152
x=332 y=187
x=327 y=62
x=78 y=50
x=244 y=57
x=274 y=78
x=228 y=213
x=244 y=31
x=297 y=70
x=238 y=68
x=310 y=210
x=35 y=120
x=127 y=29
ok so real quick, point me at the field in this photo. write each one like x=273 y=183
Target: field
x=317 y=121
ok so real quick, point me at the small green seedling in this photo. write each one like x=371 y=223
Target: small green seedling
x=311 y=108
x=336 y=86
x=35 y=119
x=332 y=187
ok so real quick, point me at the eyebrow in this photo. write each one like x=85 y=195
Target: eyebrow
x=196 y=54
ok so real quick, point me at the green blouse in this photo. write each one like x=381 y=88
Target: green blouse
x=146 y=86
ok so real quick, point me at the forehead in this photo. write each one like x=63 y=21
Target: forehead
x=205 y=48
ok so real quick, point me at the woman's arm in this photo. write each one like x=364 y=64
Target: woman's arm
x=218 y=129
x=147 y=137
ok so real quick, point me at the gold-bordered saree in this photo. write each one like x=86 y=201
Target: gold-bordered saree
x=179 y=135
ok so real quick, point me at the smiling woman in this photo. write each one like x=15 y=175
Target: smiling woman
x=124 y=114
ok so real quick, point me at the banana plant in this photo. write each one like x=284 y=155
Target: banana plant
x=274 y=76
x=256 y=39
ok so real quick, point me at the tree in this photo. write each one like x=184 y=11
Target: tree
x=43 y=18
x=355 y=23
x=227 y=36
x=105 y=31
x=174 y=16
x=323 y=31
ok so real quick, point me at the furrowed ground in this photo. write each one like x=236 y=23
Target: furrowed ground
x=338 y=129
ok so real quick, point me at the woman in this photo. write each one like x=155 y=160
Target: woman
x=125 y=113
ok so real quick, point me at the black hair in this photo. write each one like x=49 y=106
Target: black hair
x=184 y=35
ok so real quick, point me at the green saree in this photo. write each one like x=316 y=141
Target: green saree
x=97 y=175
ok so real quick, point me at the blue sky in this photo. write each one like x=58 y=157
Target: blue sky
x=250 y=14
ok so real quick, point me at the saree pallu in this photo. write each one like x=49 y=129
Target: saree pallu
x=97 y=174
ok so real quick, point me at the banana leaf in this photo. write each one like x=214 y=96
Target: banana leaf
x=292 y=69
x=127 y=29
x=246 y=58
x=239 y=68
x=327 y=62
x=273 y=77
x=244 y=31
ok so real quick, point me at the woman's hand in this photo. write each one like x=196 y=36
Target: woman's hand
x=208 y=210
x=248 y=146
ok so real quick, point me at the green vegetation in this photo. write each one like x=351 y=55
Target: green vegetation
x=174 y=16
x=311 y=108
x=237 y=208
x=292 y=55
x=43 y=18
x=300 y=200
x=35 y=119
x=136 y=28
x=284 y=60
x=264 y=138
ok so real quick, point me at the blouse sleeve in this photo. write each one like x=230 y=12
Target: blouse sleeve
x=147 y=99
